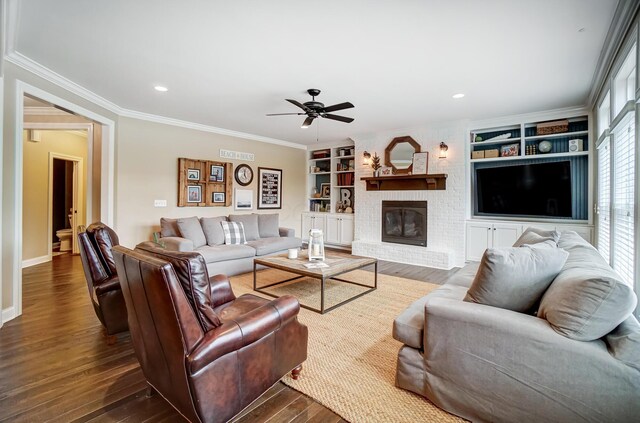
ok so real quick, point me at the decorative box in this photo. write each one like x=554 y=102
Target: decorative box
x=491 y=153
x=555 y=127
x=477 y=154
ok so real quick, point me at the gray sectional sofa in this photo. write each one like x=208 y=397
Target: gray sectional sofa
x=572 y=357
x=264 y=237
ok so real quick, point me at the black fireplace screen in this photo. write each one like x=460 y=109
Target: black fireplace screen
x=404 y=222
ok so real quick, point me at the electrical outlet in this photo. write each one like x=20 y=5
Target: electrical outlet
x=159 y=203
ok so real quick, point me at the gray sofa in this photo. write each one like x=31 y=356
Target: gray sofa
x=264 y=237
x=575 y=356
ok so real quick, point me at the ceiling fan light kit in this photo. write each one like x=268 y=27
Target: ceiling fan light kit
x=314 y=109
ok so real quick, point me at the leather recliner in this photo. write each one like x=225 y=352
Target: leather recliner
x=95 y=245
x=208 y=353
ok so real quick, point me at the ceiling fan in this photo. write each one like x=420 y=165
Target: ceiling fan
x=314 y=109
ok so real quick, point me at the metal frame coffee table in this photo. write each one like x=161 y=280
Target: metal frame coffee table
x=338 y=265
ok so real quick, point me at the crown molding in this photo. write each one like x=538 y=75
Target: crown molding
x=59 y=80
x=623 y=19
x=206 y=128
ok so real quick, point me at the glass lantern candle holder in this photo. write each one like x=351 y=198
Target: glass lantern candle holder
x=316 y=245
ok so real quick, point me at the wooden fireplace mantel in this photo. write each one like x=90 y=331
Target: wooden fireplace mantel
x=406 y=182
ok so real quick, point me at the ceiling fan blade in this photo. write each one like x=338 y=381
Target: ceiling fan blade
x=297 y=103
x=336 y=117
x=307 y=122
x=283 y=114
x=337 y=107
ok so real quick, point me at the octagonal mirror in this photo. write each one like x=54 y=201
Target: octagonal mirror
x=399 y=154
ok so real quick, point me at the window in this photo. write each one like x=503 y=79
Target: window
x=624 y=83
x=604 y=114
x=622 y=257
x=604 y=199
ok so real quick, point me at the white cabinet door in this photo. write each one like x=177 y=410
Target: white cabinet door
x=346 y=231
x=504 y=235
x=478 y=239
x=332 y=234
x=306 y=225
x=318 y=222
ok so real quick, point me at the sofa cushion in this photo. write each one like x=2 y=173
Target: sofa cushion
x=269 y=225
x=587 y=300
x=408 y=327
x=213 y=229
x=515 y=278
x=624 y=342
x=233 y=233
x=191 y=228
x=534 y=236
x=464 y=277
x=250 y=223
x=271 y=245
x=216 y=253
x=191 y=270
x=169 y=227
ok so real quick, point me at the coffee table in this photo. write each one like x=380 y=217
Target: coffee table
x=337 y=265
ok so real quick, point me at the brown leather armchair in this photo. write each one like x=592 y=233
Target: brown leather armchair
x=205 y=351
x=102 y=280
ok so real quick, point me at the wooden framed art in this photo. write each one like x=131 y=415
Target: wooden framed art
x=270 y=189
x=200 y=180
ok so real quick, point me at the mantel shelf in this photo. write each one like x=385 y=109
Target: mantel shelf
x=436 y=181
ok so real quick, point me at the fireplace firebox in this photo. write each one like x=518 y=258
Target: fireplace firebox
x=404 y=222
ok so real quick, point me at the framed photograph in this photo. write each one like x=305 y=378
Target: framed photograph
x=216 y=174
x=270 y=188
x=420 y=163
x=510 y=150
x=244 y=199
x=325 y=190
x=218 y=197
x=194 y=194
x=385 y=171
x=193 y=174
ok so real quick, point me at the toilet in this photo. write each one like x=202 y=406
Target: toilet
x=64 y=235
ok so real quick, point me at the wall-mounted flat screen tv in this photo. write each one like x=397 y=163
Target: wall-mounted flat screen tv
x=530 y=190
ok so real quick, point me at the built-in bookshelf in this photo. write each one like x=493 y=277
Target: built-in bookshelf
x=331 y=179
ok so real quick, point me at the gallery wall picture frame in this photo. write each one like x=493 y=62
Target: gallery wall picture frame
x=510 y=150
x=217 y=197
x=193 y=174
x=216 y=173
x=243 y=199
x=270 y=188
x=194 y=194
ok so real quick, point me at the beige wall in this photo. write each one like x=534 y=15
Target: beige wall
x=35 y=201
x=147 y=170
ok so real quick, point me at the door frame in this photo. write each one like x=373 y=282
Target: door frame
x=78 y=199
x=107 y=177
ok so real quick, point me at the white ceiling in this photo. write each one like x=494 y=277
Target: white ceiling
x=228 y=63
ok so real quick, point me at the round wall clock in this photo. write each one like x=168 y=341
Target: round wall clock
x=243 y=175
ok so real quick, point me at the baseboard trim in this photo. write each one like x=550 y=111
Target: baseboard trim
x=35 y=260
x=8 y=313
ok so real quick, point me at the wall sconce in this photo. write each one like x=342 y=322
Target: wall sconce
x=367 y=158
x=443 y=150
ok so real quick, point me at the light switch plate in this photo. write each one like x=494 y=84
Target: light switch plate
x=159 y=203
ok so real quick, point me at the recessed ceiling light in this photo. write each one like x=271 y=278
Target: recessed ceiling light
x=161 y=88
x=457 y=96
x=581 y=30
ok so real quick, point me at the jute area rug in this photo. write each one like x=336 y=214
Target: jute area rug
x=352 y=355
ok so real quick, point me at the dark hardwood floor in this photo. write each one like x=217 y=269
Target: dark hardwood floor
x=56 y=366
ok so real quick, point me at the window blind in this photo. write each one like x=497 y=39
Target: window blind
x=622 y=231
x=604 y=199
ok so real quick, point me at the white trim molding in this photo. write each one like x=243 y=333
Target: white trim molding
x=9 y=313
x=36 y=260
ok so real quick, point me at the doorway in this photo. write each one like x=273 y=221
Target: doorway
x=66 y=203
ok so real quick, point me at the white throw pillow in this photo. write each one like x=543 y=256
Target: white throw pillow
x=233 y=233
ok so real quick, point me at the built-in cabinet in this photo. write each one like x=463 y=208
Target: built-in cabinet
x=336 y=227
x=493 y=234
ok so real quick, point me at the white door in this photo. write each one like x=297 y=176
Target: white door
x=505 y=235
x=479 y=237
x=332 y=234
x=346 y=231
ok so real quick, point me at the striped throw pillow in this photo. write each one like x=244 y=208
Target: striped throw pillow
x=233 y=233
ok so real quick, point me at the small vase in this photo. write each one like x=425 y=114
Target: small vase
x=376 y=173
